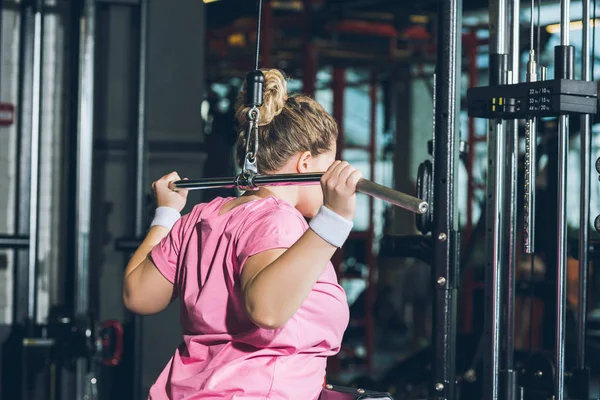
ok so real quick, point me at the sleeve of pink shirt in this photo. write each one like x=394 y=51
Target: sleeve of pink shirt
x=279 y=228
x=166 y=253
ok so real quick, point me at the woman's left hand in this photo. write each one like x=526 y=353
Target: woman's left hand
x=165 y=197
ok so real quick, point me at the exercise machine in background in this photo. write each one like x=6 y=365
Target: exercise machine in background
x=503 y=103
x=506 y=103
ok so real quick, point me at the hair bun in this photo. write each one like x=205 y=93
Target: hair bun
x=275 y=96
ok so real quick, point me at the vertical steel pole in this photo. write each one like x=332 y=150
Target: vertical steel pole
x=140 y=138
x=84 y=152
x=584 y=216
x=445 y=221
x=85 y=133
x=509 y=374
x=24 y=297
x=564 y=70
x=30 y=86
x=36 y=103
x=26 y=216
x=495 y=216
x=140 y=184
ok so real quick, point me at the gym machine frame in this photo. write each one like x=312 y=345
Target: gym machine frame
x=503 y=103
x=71 y=335
x=436 y=183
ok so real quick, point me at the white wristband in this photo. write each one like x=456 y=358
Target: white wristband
x=165 y=216
x=330 y=226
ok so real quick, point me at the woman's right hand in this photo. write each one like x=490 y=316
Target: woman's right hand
x=165 y=197
x=339 y=189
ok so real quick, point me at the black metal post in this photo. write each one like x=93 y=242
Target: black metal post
x=445 y=230
x=139 y=177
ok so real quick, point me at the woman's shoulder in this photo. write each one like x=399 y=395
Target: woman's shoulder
x=267 y=216
x=274 y=209
x=266 y=211
x=266 y=224
x=204 y=210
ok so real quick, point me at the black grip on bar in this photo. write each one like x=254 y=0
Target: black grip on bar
x=563 y=62
x=255 y=82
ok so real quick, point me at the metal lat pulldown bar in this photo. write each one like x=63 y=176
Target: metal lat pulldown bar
x=249 y=181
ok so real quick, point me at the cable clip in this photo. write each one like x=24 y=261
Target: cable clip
x=251 y=149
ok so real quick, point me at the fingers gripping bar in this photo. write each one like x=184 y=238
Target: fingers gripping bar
x=250 y=181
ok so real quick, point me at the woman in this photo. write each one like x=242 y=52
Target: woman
x=261 y=308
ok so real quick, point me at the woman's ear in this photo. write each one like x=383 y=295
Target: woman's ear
x=304 y=162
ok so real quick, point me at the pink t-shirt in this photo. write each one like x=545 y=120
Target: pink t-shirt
x=223 y=354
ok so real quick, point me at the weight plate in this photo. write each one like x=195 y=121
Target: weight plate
x=425 y=193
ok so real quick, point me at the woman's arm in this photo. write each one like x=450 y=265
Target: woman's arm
x=276 y=282
x=145 y=288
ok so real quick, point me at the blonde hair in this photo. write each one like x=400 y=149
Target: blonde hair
x=287 y=125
